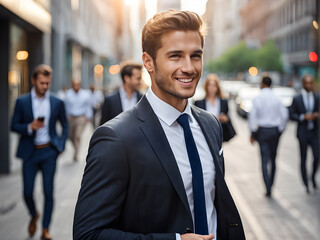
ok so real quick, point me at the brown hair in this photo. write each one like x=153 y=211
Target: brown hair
x=43 y=69
x=215 y=78
x=168 y=21
x=127 y=67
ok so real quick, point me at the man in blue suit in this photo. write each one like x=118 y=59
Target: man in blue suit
x=128 y=94
x=305 y=111
x=156 y=171
x=35 y=117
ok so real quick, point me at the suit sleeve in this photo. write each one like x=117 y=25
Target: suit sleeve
x=64 y=123
x=17 y=124
x=293 y=113
x=103 y=192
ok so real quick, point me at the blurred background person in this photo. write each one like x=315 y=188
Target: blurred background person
x=62 y=93
x=96 y=102
x=217 y=105
x=267 y=120
x=35 y=117
x=79 y=111
x=128 y=94
x=305 y=111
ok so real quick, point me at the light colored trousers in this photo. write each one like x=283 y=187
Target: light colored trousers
x=76 y=127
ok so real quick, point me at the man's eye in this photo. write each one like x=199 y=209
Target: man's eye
x=174 y=56
x=196 y=56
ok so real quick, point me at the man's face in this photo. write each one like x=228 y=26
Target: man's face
x=76 y=85
x=177 y=68
x=41 y=84
x=308 y=84
x=134 y=82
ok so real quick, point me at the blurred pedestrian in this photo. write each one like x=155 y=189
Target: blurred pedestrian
x=79 y=111
x=34 y=118
x=217 y=105
x=96 y=103
x=146 y=176
x=61 y=94
x=128 y=94
x=305 y=110
x=267 y=120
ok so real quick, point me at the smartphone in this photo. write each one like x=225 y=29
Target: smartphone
x=40 y=119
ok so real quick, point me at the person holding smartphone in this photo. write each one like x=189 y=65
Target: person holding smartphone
x=34 y=118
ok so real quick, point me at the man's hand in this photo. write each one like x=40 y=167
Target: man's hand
x=252 y=140
x=36 y=124
x=192 y=236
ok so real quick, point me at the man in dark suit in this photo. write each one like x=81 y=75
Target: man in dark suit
x=157 y=170
x=305 y=110
x=35 y=117
x=127 y=96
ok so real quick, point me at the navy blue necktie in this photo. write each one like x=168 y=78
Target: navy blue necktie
x=200 y=214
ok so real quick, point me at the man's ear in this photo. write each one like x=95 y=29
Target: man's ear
x=148 y=62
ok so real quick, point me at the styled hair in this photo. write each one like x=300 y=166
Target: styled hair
x=43 y=69
x=170 y=20
x=127 y=68
x=214 y=78
x=266 y=80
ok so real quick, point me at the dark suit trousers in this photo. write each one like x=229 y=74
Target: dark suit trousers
x=268 y=139
x=43 y=159
x=312 y=140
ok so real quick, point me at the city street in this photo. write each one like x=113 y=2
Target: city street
x=289 y=214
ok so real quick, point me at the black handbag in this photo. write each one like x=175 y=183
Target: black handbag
x=228 y=131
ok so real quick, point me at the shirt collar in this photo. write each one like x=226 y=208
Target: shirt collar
x=165 y=111
x=34 y=95
x=305 y=93
x=124 y=94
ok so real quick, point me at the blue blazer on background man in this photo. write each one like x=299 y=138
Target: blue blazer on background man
x=23 y=115
x=130 y=166
x=112 y=106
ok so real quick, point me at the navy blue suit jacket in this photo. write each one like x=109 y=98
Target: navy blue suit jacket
x=297 y=108
x=112 y=106
x=132 y=187
x=23 y=116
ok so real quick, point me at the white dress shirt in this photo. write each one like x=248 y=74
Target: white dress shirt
x=267 y=111
x=308 y=101
x=167 y=116
x=78 y=104
x=127 y=102
x=213 y=108
x=41 y=108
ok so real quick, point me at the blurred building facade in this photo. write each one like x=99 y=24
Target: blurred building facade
x=289 y=24
x=224 y=26
x=163 y=5
x=72 y=36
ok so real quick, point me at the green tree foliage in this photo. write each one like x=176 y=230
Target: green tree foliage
x=240 y=58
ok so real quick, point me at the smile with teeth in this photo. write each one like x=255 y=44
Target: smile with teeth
x=185 y=80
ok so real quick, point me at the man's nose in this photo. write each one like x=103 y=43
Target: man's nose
x=187 y=66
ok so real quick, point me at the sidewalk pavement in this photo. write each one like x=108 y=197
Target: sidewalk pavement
x=14 y=218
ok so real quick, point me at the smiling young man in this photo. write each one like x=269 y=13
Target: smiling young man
x=157 y=170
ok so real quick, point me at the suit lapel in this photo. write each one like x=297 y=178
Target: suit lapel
x=29 y=107
x=155 y=135
x=117 y=103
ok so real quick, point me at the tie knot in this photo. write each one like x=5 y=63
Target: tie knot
x=183 y=121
